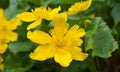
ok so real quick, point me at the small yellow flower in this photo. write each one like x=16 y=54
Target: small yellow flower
x=37 y=15
x=6 y=31
x=60 y=43
x=1 y=63
x=79 y=7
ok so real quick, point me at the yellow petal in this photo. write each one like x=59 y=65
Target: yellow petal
x=3 y=47
x=42 y=12
x=63 y=57
x=82 y=32
x=55 y=11
x=12 y=36
x=2 y=35
x=34 y=24
x=79 y=7
x=26 y=16
x=39 y=37
x=60 y=25
x=74 y=34
x=1 y=13
x=2 y=17
x=43 y=52
x=88 y=3
x=13 y=23
x=60 y=18
x=77 y=54
x=76 y=42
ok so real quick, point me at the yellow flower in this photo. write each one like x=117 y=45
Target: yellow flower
x=1 y=63
x=6 y=31
x=37 y=15
x=60 y=43
x=79 y=7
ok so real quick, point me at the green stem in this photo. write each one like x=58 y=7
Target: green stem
x=81 y=20
x=92 y=65
x=113 y=29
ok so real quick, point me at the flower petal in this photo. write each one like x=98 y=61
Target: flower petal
x=39 y=37
x=3 y=47
x=77 y=54
x=1 y=13
x=13 y=23
x=79 y=7
x=74 y=34
x=60 y=18
x=60 y=25
x=34 y=24
x=3 y=19
x=11 y=36
x=63 y=57
x=55 y=11
x=26 y=16
x=43 y=52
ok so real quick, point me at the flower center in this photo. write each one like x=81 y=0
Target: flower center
x=3 y=28
x=61 y=43
x=3 y=41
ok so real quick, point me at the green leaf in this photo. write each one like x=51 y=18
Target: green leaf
x=116 y=13
x=20 y=46
x=117 y=29
x=47 y=2
x=99 y=39
x=88 y=37
x=68 y=1
x=75 y=67
x=37 y=3
x=22 y=31
x=87 y=65
x=17 y=63
x=73 y=19
x=15 y=7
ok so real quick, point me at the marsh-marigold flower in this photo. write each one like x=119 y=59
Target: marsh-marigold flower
x=60 y=43
x=79 y=7
x=37 y=15
x=6 y=31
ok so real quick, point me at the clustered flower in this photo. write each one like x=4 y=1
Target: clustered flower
x=61 y=43
x=7 y=33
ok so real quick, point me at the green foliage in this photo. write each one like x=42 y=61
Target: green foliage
x=99 y=39
x=19 y=63
x=20 y=46
x=75 y=66
x=116 y=13
x=15 y=7
x=4 y=3
x=68 y=1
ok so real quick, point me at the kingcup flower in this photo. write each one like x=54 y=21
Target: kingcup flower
x=61 y=43
x=37 y=15
x=6 y=31
x=79 y=7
